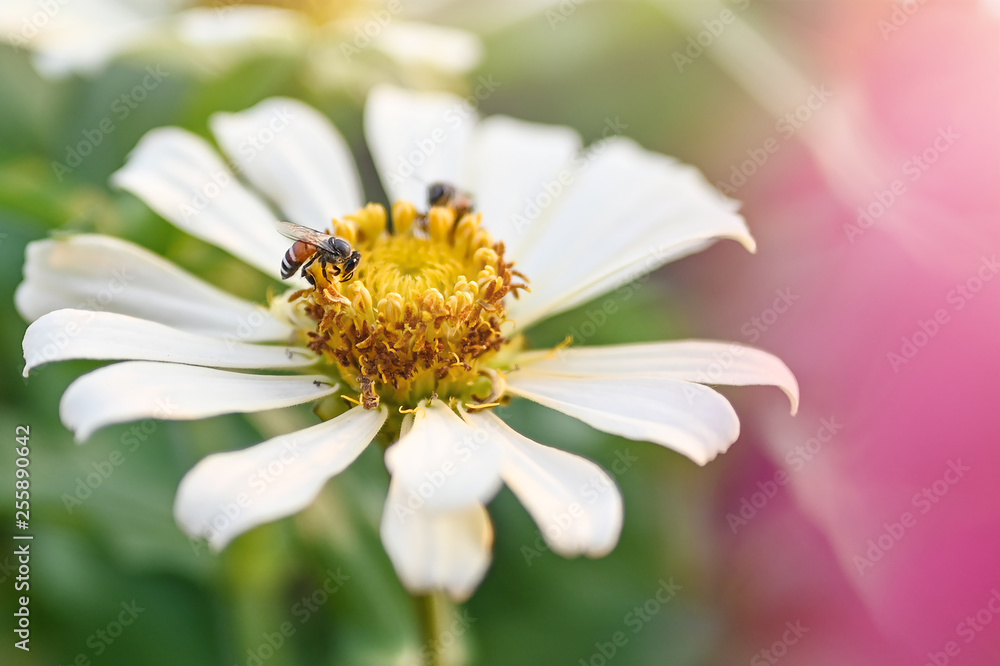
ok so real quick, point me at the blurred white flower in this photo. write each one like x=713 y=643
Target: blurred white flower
x=426 y=339
x=81 y=36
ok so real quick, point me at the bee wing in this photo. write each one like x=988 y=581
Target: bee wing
x=299 y=233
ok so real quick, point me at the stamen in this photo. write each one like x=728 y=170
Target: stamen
x=482 y=405
x=422 y=315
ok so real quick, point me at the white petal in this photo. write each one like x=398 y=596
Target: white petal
x=515 y=171
x=79 y=36
x=627 y=212
x=417 y=139
x=84 y=334
x=425 y=45
x=227 y=494
x=444 y=463
x=576 y=504
x=483 y=17
x=293 y=154
x=212 y=29
x=140 y=389
x=181 y=177
x=702 y=361
x=92 y=272
x=689 y=418
x=448 y=551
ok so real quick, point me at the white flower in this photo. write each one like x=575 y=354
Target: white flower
x=427 y=328
x=81 y=36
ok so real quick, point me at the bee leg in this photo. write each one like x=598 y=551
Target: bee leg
x=350 y=266
x=324 y=266
x=305 y=271
x=307 y=275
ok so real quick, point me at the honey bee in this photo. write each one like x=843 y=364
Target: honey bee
x=311 y=246
x=444 y=194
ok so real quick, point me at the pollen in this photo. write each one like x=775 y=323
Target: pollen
x=423 y=314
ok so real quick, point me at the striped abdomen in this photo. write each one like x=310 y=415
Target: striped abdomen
x=297 y=254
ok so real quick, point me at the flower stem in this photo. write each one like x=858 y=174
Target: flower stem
x=430 y=627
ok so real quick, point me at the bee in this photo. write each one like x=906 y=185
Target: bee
x=311 y=246
x=444 y=194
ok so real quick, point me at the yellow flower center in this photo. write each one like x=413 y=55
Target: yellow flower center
x=423 y=313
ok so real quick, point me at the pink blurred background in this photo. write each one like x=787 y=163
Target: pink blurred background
x=884 y=542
